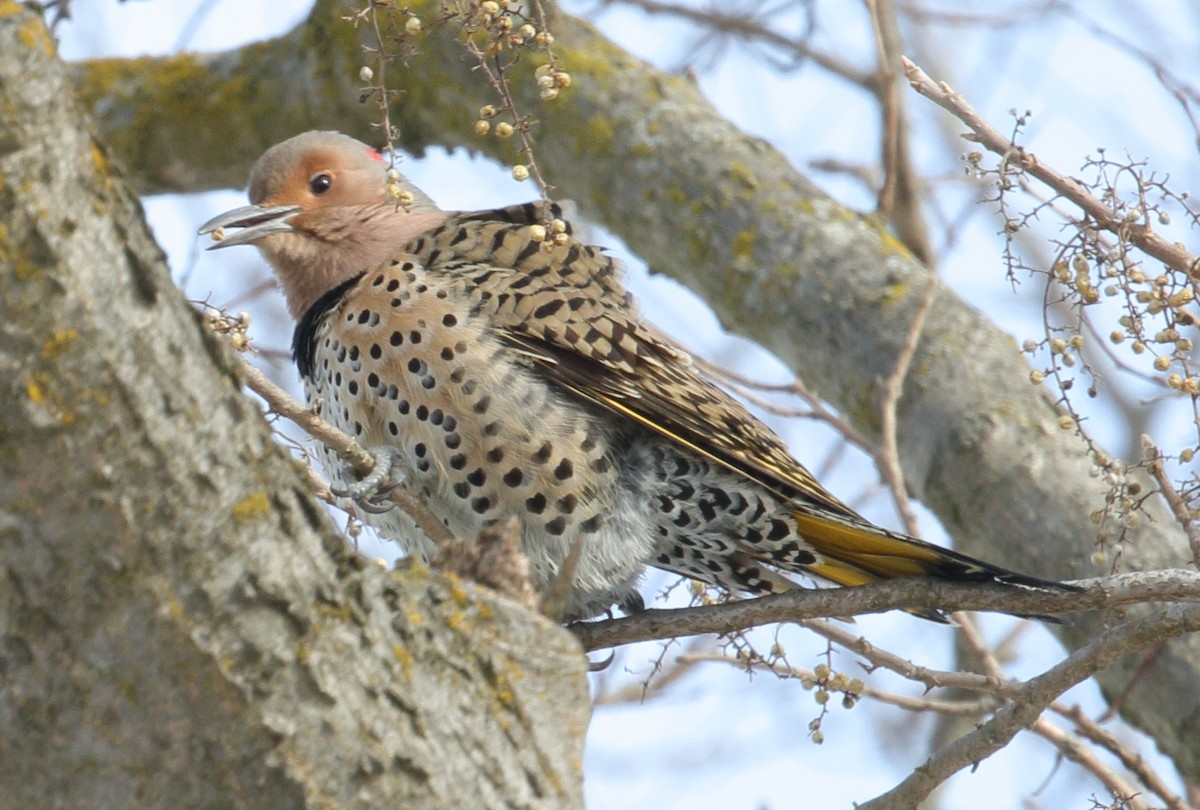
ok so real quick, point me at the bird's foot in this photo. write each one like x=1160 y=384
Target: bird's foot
x=371 y=493
x=558 y=592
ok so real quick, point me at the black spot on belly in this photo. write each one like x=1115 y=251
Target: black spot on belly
x=591 y=524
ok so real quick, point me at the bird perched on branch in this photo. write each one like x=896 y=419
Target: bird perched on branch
x=501 y=368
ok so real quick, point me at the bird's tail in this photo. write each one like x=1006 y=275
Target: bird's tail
x=856 y=552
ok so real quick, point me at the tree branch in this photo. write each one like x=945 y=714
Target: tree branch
x=1032 y=698
x=987 y=136
x=800 y=604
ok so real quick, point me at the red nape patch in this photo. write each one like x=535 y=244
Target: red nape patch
x=374 y=153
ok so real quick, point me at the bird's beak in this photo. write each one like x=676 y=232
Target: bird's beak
x=256 y=221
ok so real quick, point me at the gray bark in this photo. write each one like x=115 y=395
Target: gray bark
x=824 y=288
x=180 y=623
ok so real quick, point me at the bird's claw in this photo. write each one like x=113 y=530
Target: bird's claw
x=374 y=506
x=602 y=664
x=370 y=494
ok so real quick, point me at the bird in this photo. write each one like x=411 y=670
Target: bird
x=501 y=368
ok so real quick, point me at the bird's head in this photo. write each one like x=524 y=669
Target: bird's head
x=321 y=213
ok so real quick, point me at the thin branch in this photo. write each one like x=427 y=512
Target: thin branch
x=344 y=445
x=977 y=644
x=1172 y=585
x=1032 y=697
x=739 y=24
x=1010 y=16
x=878 y=658
x=307 y=420
x=994 y=688
x=997 y=690
x=883 y=26
x=963 y=708
x=888 y=457
x=1069 y=746
x=1135 y=762
x=1178 y=508
x=901 y=200
x=983 y=133
x=641 y=691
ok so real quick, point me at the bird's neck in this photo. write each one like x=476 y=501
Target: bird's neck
x=327 y=251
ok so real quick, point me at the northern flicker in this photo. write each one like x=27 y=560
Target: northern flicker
x=507 y=372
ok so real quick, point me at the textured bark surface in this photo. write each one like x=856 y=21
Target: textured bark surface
x=180 y=623
x=824 y=288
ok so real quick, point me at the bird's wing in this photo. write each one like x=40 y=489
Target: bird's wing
x=566 y=309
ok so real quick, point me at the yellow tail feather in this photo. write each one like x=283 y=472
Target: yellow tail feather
x=877 y=553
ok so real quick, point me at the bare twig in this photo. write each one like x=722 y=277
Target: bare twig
x=888 y=457
x=901 y=200
x=379 y=88
x=969 y=708
x=307 y=420
x=969 y=632
x=739 y=24
x=1069 y=746
x=880 y=658
x=1032 y=697
x=887 y=41
x=1103 y=216
x=641 y=691
x=1135 y=762
x=1010 y=15
x=500 y=51
x=1178 y=508
x=344 y=445
x=996 y=690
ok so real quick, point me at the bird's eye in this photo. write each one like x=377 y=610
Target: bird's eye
x=320 y=183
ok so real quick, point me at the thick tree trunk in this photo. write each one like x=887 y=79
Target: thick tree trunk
x=824 y=288
x=180 y=623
